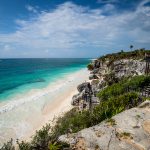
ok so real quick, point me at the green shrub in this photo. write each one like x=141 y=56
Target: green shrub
x=8 y=146
x=90 y=67
x=42 y=138
x=136 y=83
x=113 y=106
x=23 y=145
x=54 y=146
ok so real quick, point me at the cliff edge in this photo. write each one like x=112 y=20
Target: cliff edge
x=129 y=130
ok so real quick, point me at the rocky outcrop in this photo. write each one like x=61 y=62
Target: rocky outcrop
x=120 y=68
x=93 y=76
x=128 y=67
x=105 y=73
x=129 y=130
x=82 y=86
x=76 y=98
x=86 y=98
x=111 y=72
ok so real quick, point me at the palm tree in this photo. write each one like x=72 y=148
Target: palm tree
x=131 y=46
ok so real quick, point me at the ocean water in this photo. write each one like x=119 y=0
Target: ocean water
x=22 y=75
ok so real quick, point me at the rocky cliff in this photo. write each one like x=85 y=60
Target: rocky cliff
x=129 y=130
x=119 y=68
x=108 y=70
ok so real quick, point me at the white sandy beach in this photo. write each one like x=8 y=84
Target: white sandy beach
x=31 y=111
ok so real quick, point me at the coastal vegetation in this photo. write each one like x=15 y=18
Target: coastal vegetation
x=126 y=85
x=136 y=54
x=90 y=67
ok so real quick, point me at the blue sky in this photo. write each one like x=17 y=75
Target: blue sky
x=77 y=28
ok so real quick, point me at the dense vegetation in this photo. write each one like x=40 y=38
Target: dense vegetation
x=136 y=84
x=136 y=54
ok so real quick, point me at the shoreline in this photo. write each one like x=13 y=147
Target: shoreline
x=44 y=109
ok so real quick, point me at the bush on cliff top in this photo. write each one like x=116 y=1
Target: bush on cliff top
x=136 y=54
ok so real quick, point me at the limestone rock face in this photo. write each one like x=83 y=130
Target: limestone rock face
x=104 y=73
x=128 y=67
x=129 y=130
x=93 y=76
x=82 y=86
x=76 y=98
x=96 y=70
x=120 y=68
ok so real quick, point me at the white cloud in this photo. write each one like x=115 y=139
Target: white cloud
x=7 y=47
x=107 y=1
x=31 y=8
x=70 y=27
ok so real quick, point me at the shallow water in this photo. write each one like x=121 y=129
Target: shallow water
x=21 y=75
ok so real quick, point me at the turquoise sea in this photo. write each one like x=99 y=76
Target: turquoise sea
x=22 y=75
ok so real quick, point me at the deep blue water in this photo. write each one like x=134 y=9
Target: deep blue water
x=19 y=75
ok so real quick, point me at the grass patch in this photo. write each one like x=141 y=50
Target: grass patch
x=111 y=122
x=124 y=135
